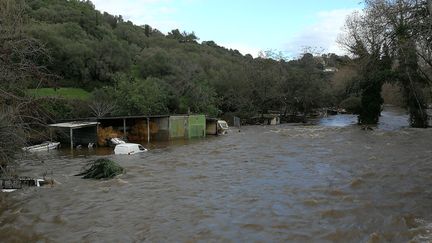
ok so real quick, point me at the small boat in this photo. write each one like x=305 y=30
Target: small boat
x=8 y=190
x=115 y=141
x=45 y=146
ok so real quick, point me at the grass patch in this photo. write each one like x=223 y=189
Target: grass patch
x=101 y=169
x=66 y=93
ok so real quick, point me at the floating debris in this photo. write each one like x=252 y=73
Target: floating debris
x=367 y=128
x=101 y=169
x=13 y=184
x=8 y=190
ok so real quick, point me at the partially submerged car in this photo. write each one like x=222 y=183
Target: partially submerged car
x=129 y=148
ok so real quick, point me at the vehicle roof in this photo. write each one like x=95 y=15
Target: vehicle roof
x=127 y=145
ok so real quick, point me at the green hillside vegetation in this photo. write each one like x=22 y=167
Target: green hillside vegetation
x=140 y=70
x=66 y=93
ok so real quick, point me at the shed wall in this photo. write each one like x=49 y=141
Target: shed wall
x=211 y=127
x=196 y=126
x=178 y=126
x=81 y=136
x=163 y=129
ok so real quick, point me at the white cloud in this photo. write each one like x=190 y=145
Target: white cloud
x=157 y=14
x=151 y=12
x=321 y=35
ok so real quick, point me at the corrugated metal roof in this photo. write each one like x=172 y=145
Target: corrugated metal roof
x=74 y=124
x=131 y=117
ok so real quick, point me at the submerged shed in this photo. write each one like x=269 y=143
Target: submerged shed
x=78 y=132
x=211 y=126
x=134 y=128
x=187 y=126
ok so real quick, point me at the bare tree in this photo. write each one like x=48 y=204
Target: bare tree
x=424 y=41
x=18 y=55
x=101 y=108
x=102 y=102
x=404 y=19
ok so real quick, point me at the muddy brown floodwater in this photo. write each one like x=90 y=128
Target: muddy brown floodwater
x=323 y=183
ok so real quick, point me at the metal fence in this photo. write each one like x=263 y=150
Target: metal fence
x=237 y=122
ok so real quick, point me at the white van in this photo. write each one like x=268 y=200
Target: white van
x=222 y=127
x=129 y=148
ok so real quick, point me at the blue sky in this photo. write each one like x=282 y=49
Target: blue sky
x=249 y=26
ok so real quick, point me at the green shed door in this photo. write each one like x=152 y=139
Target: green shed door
x=197 y=126
x=177 y=126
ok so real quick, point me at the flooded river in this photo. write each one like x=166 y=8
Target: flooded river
x=330 y=182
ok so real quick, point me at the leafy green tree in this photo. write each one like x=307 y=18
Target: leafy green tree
x=183 y=37
x=366 y=41
x=135 y=96
x=306 y=86
x=155 y=63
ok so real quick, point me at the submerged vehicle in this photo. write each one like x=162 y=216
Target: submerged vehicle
x=45 y=146
x=129 y=148
x=222 y=127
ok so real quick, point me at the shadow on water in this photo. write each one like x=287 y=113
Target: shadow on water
x=285 y=183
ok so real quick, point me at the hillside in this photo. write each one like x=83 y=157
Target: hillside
x=66 y=93
x=144 y=71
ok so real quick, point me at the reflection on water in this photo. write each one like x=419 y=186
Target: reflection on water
x=265 y=183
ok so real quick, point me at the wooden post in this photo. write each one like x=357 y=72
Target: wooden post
x=169 y=127
x=124 y=127
x=148 y=129
x=97 y=134
x=71 y=137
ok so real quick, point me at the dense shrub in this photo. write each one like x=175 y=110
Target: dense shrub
x=352 y=104
x=101 y=169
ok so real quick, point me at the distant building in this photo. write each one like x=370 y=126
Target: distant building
x=266 y=119
x=330 y=70
x=272 y=119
